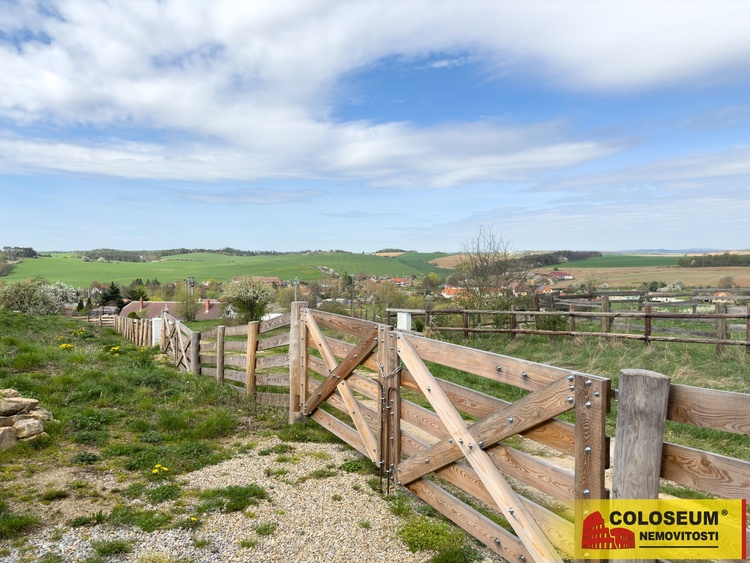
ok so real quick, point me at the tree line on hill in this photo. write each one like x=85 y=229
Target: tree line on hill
x=115 y=255
x=709 y=260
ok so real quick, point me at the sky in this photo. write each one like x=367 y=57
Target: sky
x=361 y=125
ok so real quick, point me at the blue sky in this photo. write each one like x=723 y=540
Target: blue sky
x=360 y=125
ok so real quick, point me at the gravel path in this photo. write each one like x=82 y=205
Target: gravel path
x=337 y=518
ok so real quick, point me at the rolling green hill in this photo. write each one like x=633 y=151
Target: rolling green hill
x=67 y=268
x=623 y=261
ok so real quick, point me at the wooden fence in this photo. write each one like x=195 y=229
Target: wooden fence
x=624 y=324
x=138 y=331
x=462 y=450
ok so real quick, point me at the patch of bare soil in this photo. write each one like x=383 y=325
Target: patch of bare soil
x=624 y=278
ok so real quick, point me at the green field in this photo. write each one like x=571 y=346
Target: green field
x=67 y=268
x=624 y=261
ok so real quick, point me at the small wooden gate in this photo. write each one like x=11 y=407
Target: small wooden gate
x=458 y=442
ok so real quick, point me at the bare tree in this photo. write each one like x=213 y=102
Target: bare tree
x=488 y=271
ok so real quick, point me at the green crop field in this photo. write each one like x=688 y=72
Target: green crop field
x=67 y=268
x=624 y=261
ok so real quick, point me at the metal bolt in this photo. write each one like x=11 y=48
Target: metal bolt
x=524 y=374
x=399 y=483
x=588 y=383
x=572 y=387
x=522 y=557
x=460 y=440
x=571 y=377
x=471 y=446
x=510 y=420
x=586 y=492
x=512 y=511
x=587 y=449
x=481 y=444
x=450 y=440
x=570 y=400
x=587 y=404
x=428 y=389
x=497 y=541
x=596 y=393
x=498 y=368
x=426 y=461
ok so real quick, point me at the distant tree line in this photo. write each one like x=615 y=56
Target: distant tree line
x=708 y=260
x=561 y=256
x=15 y=252
x=154 y=255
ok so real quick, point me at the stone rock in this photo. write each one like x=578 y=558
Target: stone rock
x=28 y=427
x=7 y=437
x=36 y=437
x=9 y=393
x=6 y=421
x=42 y=415
x=14 y=405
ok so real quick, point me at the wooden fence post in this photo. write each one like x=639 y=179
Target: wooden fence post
x=163 y=332
x=253 y=329
x=747 y=330
x=220 y=331
x=195 y=353
x=513 y=322
x=647 y=325
x=465 y=322
x=606 y=319
x=641 y=419
x=721 y=327
x=571 y=319
x=297 y=363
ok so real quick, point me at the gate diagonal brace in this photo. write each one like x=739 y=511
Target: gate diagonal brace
x=551 y=400
x=525 y=527
x=342 y=371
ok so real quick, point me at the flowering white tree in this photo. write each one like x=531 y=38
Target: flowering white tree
x=37 y=297
x=248 y=297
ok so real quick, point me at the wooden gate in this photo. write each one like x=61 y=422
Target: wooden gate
x=461 y=450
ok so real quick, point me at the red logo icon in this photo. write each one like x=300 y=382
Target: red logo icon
x=597 y=536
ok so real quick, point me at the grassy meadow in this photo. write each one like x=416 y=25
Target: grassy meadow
x=65 y=267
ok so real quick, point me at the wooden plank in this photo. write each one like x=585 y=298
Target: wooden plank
x=236 y=330
x=525 y=413
x=235 y=345
x=490 y=365
x=709 y=408
x=341 y=349
x=276 y=322
x=208 y=359
x=274 y=361
x=280 y=400
x=552 y=433
x=557 y=529
x=207 y=346
x=510 y=505
x=297 y=373
x=337 y=380
x=211 y=372
x=339 y=373
x=335 y=426
x=348 y=325
x=485 y=530
x=234 y=375
x=235 y=361
x=592 y=398
x=534 y=471
x=273 y=342
x=713 y=473
x=272 y=380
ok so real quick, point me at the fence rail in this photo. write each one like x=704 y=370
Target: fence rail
x=598 y=324
x=451 y=443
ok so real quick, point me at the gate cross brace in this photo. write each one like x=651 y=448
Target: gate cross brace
x=526 y=528
x=336 y=380
x=514 y=418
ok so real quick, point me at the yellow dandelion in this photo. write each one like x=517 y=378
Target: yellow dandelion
x=155 y=471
